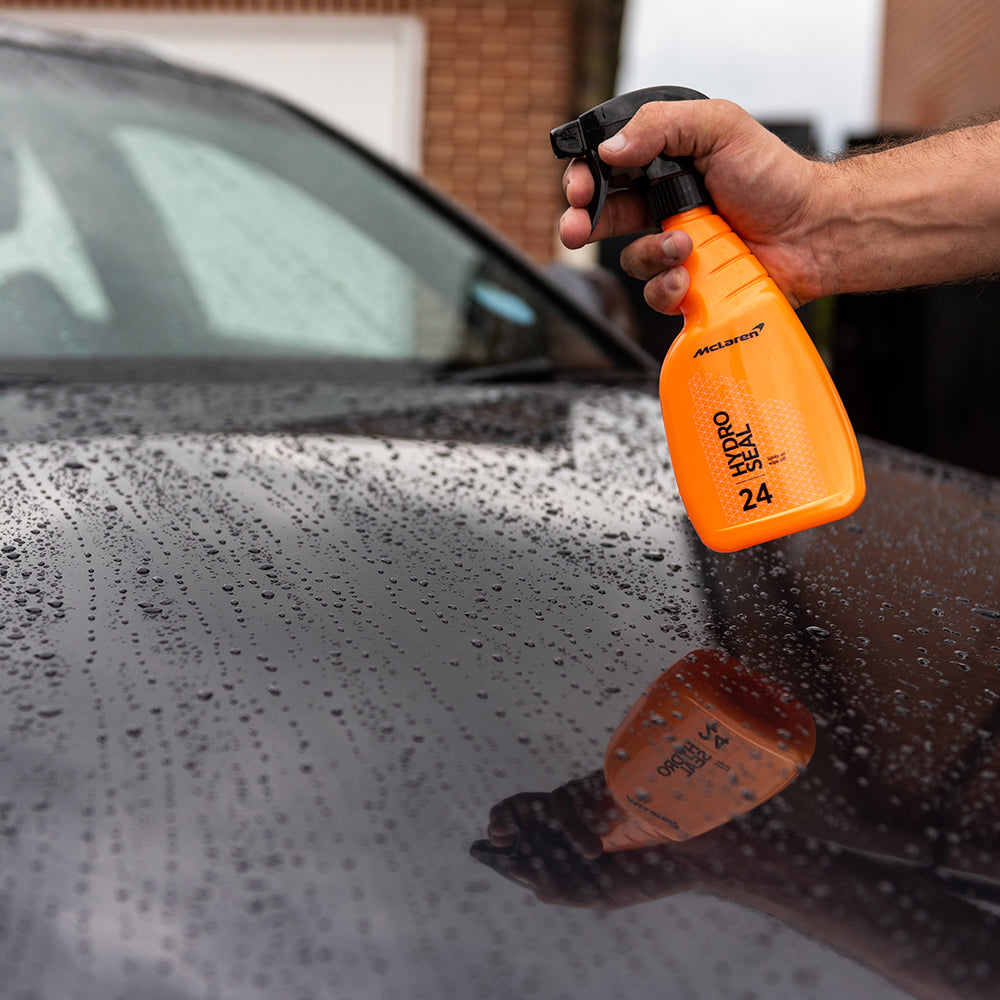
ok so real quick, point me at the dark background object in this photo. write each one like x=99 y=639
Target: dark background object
x=921 y=368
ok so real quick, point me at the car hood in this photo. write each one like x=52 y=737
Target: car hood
x=267 y=669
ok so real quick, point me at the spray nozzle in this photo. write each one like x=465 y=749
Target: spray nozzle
x=671 y=184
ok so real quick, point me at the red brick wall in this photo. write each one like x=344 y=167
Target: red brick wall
x=499 y=76
x=941 y=61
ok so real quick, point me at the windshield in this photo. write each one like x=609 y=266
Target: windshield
x=152 y=215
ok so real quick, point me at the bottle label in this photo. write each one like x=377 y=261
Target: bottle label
x=695 y=771
x=758 y=451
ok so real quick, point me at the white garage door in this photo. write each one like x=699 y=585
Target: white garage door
x=364 y=74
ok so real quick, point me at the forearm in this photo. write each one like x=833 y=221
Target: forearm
x=929 y=942
x=923 y=213
x=932 y=944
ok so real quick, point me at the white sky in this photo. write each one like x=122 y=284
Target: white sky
x=780 y=59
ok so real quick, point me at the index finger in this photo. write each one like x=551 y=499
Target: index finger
x=624 y=213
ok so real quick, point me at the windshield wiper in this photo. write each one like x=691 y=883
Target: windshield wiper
x=530 y=370
x=11 y=380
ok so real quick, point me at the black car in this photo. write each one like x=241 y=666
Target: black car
x=337 y=543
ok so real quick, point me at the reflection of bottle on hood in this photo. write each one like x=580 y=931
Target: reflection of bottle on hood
x=710 y=739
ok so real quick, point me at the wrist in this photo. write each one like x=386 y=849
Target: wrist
x=826 y=218
x=876 y=234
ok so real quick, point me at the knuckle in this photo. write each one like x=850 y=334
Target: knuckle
x=665 y=291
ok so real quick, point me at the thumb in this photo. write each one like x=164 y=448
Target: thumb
x=676 y=128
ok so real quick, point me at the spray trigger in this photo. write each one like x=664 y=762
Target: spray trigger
x=667 y=181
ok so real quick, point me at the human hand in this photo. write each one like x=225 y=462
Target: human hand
x=550 y=843
x=770 y=195
x=580 y=810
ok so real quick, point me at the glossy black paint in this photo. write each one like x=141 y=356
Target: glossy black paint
x=261 y=689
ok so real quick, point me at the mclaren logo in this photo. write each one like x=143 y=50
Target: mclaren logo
x=721 y=344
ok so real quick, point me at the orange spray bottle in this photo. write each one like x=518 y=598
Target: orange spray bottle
x=708 y=740
x=759 y=440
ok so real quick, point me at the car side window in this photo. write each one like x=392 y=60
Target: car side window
x=168 y=219
x=270 y=264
